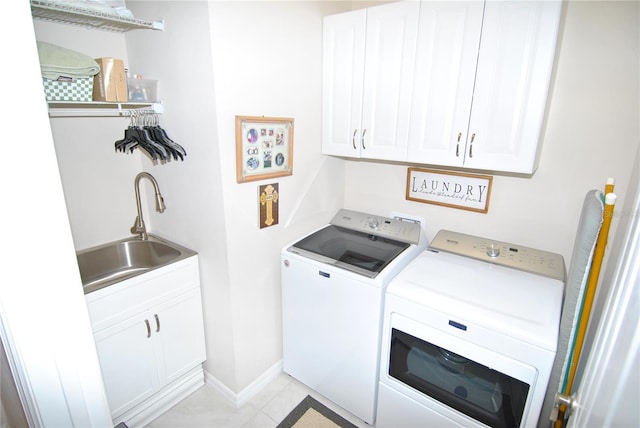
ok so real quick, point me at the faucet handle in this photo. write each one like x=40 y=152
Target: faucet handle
x=139 y=228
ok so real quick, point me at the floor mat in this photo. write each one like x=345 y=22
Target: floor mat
x=310 y=413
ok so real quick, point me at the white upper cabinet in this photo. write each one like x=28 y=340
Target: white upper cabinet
x=481 y=83
x=343 y=76
x=448 y=41
x=515 y=64
x=368 y=65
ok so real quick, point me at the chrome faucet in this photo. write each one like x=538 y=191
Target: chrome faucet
x=138 y=226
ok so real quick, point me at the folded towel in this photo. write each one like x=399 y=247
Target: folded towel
x=57 y=62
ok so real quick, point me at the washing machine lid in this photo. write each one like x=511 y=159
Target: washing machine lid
x=358 y=242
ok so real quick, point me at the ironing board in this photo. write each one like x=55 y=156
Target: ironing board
x=577 y=277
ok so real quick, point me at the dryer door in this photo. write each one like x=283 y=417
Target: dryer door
x=461 y=383
x=452 y=374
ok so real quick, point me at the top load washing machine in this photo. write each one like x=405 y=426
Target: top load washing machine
x=333 y=283
x=470 y=335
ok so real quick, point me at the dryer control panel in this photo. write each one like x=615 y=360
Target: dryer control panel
x=501 y=253
x=392 y=228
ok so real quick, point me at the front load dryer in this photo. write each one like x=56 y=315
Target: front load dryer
x=470 y=335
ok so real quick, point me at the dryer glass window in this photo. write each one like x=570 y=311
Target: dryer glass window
x=353 y=250
x=484 y=394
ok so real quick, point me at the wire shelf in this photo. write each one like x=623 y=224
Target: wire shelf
x=85 y=17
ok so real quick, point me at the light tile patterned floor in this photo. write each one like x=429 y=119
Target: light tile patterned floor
x=206 y=408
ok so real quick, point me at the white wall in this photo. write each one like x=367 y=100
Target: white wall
x=592 y=133
x=267 y=62
x=97 y=180
x=180 y=58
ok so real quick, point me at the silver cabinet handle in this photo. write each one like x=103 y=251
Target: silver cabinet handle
x=473 y=137
x=157 y=323
x=362 y=139
x=353 y=139
x=148 y=328
x=458 y=144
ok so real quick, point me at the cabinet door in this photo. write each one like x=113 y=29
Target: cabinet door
x=512 y=83
x=392 y=31
x=342 y=80
x=179 y=332
x=127 y=360
x=447 y=50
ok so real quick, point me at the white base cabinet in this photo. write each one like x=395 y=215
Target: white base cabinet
x=149 y=335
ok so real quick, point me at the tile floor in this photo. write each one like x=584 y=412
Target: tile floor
x=206 y=408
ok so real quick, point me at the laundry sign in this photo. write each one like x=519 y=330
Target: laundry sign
x=450 y=189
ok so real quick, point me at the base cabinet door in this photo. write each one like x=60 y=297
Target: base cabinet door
x=128 y=362
x=180 y=335
x=142 y=354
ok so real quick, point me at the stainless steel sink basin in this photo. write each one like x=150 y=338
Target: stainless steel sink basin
x=116 y=261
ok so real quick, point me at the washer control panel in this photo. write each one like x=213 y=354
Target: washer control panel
x=501 y=253
x=392 y=228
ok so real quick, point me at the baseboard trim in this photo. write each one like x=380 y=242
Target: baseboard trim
x=241 y=398
x=166 y=398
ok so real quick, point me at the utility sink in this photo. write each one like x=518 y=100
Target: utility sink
x=117 y=261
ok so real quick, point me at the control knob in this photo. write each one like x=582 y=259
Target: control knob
x=374 y=223
x=493 y=251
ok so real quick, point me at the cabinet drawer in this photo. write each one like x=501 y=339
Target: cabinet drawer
x=128 y=298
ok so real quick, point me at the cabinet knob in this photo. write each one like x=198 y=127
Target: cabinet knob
x=362 y=139
x=458 y=144
x=148 y=328
x=353 y=139
x=157 y=323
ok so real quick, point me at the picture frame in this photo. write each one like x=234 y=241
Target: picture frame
x=264 y=147
x=449 y=189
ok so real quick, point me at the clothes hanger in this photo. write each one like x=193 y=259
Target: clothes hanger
x=137 y=137
x=160 y=135
x=145 y=132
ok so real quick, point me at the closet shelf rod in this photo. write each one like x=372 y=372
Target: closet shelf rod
x=79 y=109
